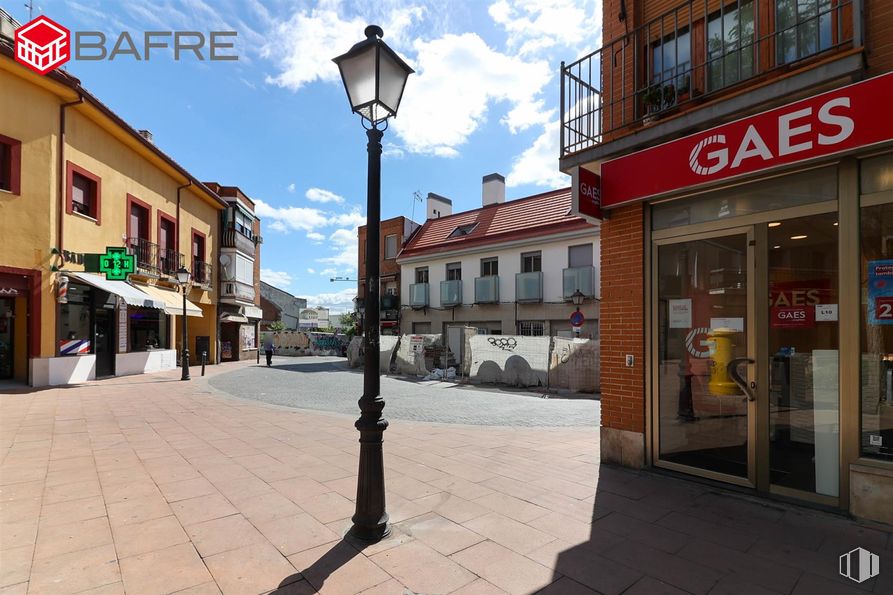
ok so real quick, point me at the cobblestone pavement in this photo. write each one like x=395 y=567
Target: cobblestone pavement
x=150 y=485
x=328 y=384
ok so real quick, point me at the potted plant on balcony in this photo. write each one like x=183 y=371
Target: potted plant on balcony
x=652 y=98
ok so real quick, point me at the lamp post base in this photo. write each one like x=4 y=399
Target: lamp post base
x=370 y=521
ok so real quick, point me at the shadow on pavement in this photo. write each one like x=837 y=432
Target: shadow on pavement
x=319 y=571
x=653 y=533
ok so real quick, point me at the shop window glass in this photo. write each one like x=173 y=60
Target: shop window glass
x=803 y=28
x=808 y=187
x=877 y=331
x=877 y=174
x=730 y=39
x=148 y=329
x=74 y=321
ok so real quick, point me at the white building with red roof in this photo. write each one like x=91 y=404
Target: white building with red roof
x=507 y=268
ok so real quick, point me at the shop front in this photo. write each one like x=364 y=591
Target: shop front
x=238 y=332
x=16 y=322
x=105 y=328
x=768 y=292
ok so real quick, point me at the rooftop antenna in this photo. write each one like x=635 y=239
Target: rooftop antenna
x=30 y=6
x=416 y=197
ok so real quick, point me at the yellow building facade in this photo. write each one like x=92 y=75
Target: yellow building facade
x=75 y=180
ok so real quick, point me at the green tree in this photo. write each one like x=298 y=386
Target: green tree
x=277 y=326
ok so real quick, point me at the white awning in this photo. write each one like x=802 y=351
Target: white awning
x=173 y=301
x=126 y=291
x=233 y=318
x=253 y=312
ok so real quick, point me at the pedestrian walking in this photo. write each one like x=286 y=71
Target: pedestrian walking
x=268 y=349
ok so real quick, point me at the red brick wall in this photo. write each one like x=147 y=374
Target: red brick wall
x=879 y=36
x=622 y=319
x=392 y=226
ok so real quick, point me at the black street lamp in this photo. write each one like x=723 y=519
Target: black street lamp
x=183 y=277
x=374 y=77
x=577 y=298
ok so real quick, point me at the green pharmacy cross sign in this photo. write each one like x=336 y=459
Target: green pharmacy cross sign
x=116 y=263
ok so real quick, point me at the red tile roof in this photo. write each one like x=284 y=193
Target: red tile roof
x=537 y=215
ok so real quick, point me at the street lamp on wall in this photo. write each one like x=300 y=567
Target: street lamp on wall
x=577 y=298
x=183 y=277
x=374 y=77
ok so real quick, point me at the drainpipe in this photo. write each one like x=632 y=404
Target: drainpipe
x=61 y=168
x=177 y=235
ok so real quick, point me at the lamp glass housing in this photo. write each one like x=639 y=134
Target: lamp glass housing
x=374 y=77
x=183 y=275
x=577 y=297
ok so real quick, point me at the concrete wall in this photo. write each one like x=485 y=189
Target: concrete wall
x=412 y=363
x=142 y=362
x=296 y=343
x=512 y=360
x=574 y=365
x=387 y=346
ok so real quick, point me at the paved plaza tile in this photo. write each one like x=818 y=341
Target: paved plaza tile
x=152 y=485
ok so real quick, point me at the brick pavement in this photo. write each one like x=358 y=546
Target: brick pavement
x=150 y=485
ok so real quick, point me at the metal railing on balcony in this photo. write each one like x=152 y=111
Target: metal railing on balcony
x=418 y=295
x=201 y=273
x=233 y=237
x=529 y=287
x=486 y=290
x=169 y=261
x=578 y=278
x=390 y=302
x=236 y=290
x=146 y=254
x=451 y=293
x=695 y=51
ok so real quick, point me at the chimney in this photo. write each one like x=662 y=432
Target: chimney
x=493 y=190
x=439 y=206
x=146 y=135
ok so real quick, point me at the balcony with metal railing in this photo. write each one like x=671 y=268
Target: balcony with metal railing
x=451 y=293
x=486 y=290
x=239 y=238
x=702 y=51
x=145 y=253
x=580 y=279
x=236 y=292
x=201 y=273
x=169 y=261
x=529 y=287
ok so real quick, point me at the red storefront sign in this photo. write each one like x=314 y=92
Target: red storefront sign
x=586 y=193
x=854 y=116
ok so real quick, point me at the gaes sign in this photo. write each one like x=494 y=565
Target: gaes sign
x=854 y=116
x=586 y=193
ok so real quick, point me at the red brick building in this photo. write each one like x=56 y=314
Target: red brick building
x=395 y=232
x=745 y=154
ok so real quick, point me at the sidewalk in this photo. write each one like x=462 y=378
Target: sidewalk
x=151 y=485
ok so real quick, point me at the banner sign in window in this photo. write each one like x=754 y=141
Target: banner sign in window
x=880 y=291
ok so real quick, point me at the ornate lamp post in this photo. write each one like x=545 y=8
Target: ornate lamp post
x=183 y=277
x=577 y=298
x=374 y=77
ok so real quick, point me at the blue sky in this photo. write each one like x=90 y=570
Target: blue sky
x=277 y=124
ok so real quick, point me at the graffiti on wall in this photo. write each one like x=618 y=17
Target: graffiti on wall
x=504 y=343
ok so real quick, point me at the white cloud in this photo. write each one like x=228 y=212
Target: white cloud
x=538 y=164
x=534 y=26
x=291 y=188
x=303 y=46
x=330 y=272
x=344 y=237
x=311 y=271
x=307 y=219
x=320 y=195
x=338 y=302
x=528 y=114
x=279 y=279
x=315 y=236
x=433 y=95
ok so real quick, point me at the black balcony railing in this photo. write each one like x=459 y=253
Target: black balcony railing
x=169 y=261
x=146 y=254
x=201 y=273
x=698 y=50
x=240 y=238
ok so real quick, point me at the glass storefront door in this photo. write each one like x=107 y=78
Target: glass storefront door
x=703 y=311
x=746 y=366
